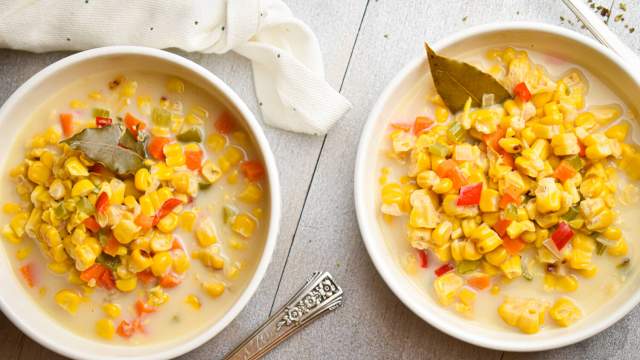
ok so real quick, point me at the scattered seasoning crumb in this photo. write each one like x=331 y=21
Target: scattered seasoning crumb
x=68 y=39
x=151 y=28
x=222 y=27
x=518 y=12
x=260 y=103
x=622 y=6
x=196 y=22
x=561 y=18
x=618 y=18
x=465 y=18
x=631 y=30
x=278 y=56
x=386 y=36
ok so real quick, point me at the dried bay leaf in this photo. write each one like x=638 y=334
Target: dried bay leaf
x=103 y=145
x=130 y=142
x=457 y=81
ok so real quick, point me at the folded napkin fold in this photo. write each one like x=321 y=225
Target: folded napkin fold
x=285 y=54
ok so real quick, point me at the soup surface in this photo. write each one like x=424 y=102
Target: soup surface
x=515 y=215
x=145 y=227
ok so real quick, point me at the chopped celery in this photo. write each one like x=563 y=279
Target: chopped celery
x=99 y=112
x=525 y=271
x=600 y=248
x=161 y=117
x=191 y=135
x=60 y=212
x=455 y=132
x=438 y=149
x=466 y=266
x=204 y=186
x=84 y=206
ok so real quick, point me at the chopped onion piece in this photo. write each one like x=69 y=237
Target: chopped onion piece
x=551 y=246
x=488 y=100
x=604 y=241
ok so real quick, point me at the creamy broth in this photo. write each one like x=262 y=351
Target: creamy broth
x=592 y=293
x=177 y=318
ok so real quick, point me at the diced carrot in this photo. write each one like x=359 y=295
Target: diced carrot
x=501 y=226
x=102 y=202
x=513 y=246
x=422 y=123
x=133 y=124
x=125 y=329
x=492 y=139
x=176 y=245
x=91 y=224
x=508 y=159
x=564 y=171
x=479 y=281
x=66 y=122
x=521 y=91
x=111 y=247
x=143 y=308
x=507 y=199
x=144 y=221
x=106 y=280
x=449 y=169
x=445 y=167
x=252 y=170
x=156 y=145
x=170 y=281
x=94 y=272
x=193 y=159
x=225 y=123
x=399 y=126
x=138 y=326
x=146 y=276
x=27 y=272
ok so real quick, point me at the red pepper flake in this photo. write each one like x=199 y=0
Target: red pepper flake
x=562 y=235
x=165 y=209
x=102 y=202
x=424 y=260
x=102 y=121
x=27 y=272
x=125 y=329
x=443 y=269
x=522 y=92
x=143 y=308
x=470 y=195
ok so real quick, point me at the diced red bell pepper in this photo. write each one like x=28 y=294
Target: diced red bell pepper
x=449 y=169
x=134 y=125
x=513 y=246
x=562 y=235
x=102 y=202
x=507 y=199
x=492 y=139
x=146 y=276
x=521 y=91
x=252 y=170
x=225 y=123
x=470 y=195
x=422 y=123
x=143 y=308
x=443 y=269
x=66 y=122
x=102 y=121
x=91 y=224
x=165 y=209
x=424 y=260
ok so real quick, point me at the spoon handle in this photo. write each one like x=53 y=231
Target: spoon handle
x=319 y=295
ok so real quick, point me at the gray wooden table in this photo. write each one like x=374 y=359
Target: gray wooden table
x=364 y=42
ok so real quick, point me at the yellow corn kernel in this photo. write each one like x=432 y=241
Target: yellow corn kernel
x=174 y=155
x=111 y=310
x=565 y=312
x=589 y=271
x=128 y=88
x=206 y=233
x=125 y=231
x=140 y=260
x=489 y=199
x=210 y=171
x=82 y=188
x=443 y=186
x=526 y=314
x=75 y=168
x=510 y=145
x=193 y=301
x=497 y=256
x=548 y=196
x=23 y=253
x=68 y=300
x=39 y=173
x=213 y=289
x=620 y=248
x=252 y=193
x=443 y=253
x=181 y=263
x=85 y=257
x=516 y=228
x=18 y=223
x=442 y=233
x=612 y=233
x=216 y=142
x=601 y=220
x=512 y=267
x=161 y=242
x=161 y=263
x=528 y=136
x=468 y=225
x=591 y=187
x=168 y=223
x=457 y=250
x=446 y=287
x=244 y=225
x=146 y=205
x=105 y=328
x=175 y=85
x=470 y=251
x=162 y=172
x=618 y=132
x=130 y=202
x=187 y=219
x=486 y=238
x=181 y=181
x=59 y=267
x=565 y=144
x=442 y=114
x=11 y=208
x=127 y=285
x=467 y=296
x=142 y=179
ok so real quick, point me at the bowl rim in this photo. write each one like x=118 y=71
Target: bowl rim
x=365 y=222
x=189 y=343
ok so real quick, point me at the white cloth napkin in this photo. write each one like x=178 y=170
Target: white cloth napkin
x=285 y=54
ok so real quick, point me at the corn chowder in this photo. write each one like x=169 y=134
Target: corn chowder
x=137 y=208
x=516 y=215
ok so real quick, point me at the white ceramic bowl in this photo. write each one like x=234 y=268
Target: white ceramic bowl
x=16 y=304
x=552 y=40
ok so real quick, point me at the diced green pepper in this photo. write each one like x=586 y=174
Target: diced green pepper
x=600 y=248
x=571 y=214
x=191 y=135
x=204 y=186
x=60 y=212
x=228 y=213
x=84 y=206
x=511 y=212
x=466 y=266
x=575 y=162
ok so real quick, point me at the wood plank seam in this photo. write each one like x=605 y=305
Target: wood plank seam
x=324 y=139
